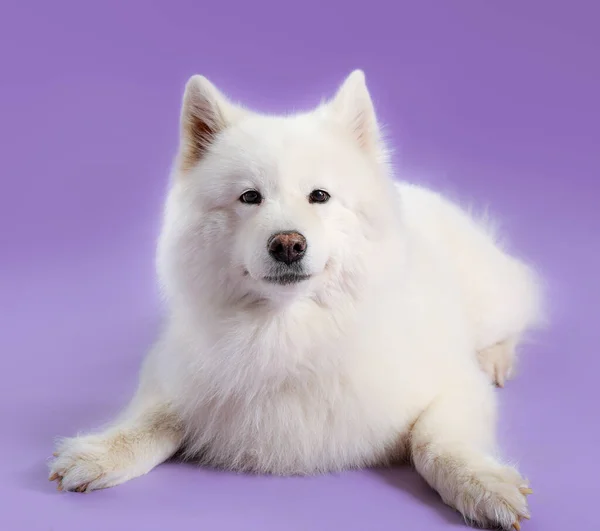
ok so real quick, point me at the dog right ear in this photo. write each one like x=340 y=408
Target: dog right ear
x=353 y=108
x=205 y=113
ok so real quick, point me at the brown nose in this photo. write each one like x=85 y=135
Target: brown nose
x=287 y=247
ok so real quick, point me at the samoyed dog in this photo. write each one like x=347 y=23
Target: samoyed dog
x=321 y=316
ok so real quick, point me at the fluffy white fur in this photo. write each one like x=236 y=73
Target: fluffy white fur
x=387 y=352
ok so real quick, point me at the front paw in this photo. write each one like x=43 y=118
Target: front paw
x=493 y=497
x=88 y=463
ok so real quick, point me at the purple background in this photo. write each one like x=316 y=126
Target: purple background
x=495 y=101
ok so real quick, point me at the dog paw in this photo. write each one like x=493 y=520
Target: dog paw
x=494 y=498
x=88 y=463
x=497 y=361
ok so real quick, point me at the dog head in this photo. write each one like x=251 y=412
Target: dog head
x=271 y=206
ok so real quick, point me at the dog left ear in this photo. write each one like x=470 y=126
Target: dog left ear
x=205 y=113
x=352 y=105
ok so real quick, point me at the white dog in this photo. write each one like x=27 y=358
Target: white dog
x=321 y=316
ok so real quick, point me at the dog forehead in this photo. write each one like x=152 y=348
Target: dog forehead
x=301 y=145
x=280 y=134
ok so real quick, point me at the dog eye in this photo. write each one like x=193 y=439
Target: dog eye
x=318 y=196
x=251 y=197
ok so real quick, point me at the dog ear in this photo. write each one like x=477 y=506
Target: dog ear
x=352 y=105
x=205 y=113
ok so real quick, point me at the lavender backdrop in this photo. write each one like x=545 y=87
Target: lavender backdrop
x=495 y=101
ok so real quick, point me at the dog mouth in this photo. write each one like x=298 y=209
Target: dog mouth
x=286 y=279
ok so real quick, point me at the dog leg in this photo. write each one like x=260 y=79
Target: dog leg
x=147 y=434
x=452 y=446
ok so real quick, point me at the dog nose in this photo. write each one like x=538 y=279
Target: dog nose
x=287 y=247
